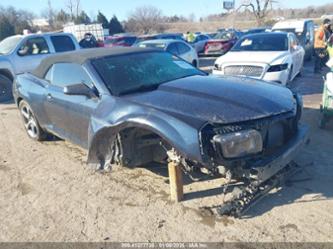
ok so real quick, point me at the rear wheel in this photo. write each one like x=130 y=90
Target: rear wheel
x=30 y=122
x=5 y=89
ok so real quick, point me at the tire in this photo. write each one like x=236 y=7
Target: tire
x=5 y=89
x=31 y=125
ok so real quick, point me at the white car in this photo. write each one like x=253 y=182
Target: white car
x=275 y=57
x=175 y=47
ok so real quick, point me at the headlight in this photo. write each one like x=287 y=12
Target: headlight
x=278 y=68
x=239 y=144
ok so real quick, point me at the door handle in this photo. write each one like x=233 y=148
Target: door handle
x=49 y=97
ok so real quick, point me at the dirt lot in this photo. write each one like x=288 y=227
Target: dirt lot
x=48 y=194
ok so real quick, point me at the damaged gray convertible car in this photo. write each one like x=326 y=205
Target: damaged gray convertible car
x=133 y=106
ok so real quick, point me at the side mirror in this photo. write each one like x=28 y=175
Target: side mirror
x=80 y=90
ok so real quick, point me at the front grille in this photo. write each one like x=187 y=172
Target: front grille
x=239 y=70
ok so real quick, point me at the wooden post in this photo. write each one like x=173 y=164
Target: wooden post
x=176 y=182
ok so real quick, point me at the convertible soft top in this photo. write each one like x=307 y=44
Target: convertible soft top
x=83 y=55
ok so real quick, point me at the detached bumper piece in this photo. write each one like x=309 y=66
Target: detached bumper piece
x=264 y=178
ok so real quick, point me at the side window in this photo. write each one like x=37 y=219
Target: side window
x=65 y=74
x=172 y=48
x=182 y=48
x=62 y=43
x=34 y=46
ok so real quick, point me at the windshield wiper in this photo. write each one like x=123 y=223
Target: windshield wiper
x=141 y=88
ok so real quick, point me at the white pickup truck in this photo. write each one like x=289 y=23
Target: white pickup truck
x=22 y=53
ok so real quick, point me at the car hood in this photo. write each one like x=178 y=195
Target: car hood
x=200 y=99
x=253 y=57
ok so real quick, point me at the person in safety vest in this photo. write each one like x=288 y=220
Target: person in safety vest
x=320 y=45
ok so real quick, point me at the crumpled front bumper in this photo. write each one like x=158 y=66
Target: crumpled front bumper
x=266 y=168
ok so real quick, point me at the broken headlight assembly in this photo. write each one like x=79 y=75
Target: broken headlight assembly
x=239 y=144
x=278 y=68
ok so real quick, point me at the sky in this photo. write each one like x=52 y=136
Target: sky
x=122 y=8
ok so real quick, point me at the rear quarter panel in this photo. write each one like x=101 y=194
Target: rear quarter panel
x=31 y=89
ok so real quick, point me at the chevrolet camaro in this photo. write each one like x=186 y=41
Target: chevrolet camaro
x=133 y=106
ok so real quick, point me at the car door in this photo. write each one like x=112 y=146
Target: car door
x=69 y=115
x=30 y=53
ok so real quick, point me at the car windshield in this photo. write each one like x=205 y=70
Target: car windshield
x=152 y=45
x=267 y=42
x=223 y=36
x=7 y=45
x=132 y=73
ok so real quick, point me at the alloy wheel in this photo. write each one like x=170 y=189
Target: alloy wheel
x=29 y=120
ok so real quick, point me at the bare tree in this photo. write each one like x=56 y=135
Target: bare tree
x=145 y=19
x=49 y=13
x=259 y=8
x=74 y=7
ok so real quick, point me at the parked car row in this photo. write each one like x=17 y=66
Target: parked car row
x=262 y=53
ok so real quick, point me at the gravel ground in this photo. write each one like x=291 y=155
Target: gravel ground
x=48 y=194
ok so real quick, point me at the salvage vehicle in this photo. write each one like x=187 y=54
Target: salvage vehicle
x=221 y=43
x=275 y=57
x=133 y=106
x=23 y=53
x=175 y=47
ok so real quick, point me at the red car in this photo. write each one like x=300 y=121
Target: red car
x=120 y=41
x=221 y=43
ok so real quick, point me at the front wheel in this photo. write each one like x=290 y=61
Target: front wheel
x=30 y=122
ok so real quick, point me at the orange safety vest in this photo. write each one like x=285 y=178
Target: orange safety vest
x=320 y=38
